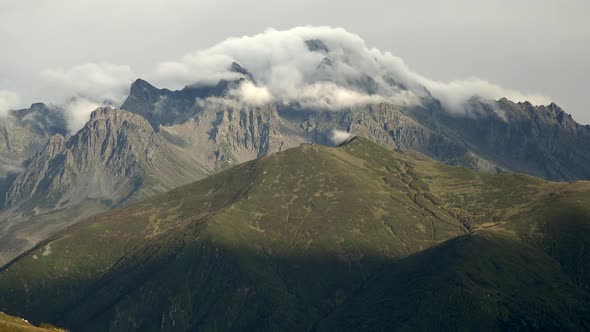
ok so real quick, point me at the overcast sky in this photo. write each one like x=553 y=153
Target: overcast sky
x=534 y=46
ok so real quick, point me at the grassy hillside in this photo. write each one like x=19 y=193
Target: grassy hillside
x=478 y=282
x=15 y=324
x=356 y=237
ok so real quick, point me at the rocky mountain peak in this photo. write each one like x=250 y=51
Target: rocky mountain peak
x=317 y=45
x=110 y=145
x=26 y=131
x=39 y=107
x=42 y=118
x=140 y=86
x=237 y=68
x=118 y=116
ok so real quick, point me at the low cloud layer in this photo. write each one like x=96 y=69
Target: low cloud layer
x=308 y=67
x=77 y=112
x=251 y=94
x=8 y=101
x=322 y=67
x=101 y=82
x=454 y=94
x=83 y=88
x=338 y=136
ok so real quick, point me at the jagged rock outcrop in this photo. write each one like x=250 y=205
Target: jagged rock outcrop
x=116 y=157
x=229 y=132
x=387 y=124
x=224 y=135
x=539 y=140
x=166 y=107
x=160 y=106
x=169 y=138
x=24 y=132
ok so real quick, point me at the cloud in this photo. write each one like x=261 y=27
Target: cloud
x=8 y=101
x=103 y=82
x=338 y=136
x=455 y=94
x=308 y=67
x=322 y=67
x=77 y=112
x=287 y=69
x=85 y=87
x=251 y=94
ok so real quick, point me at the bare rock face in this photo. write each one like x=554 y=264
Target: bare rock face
x=227 y=132
x=118 y=157
x=24 y=132
x=543 y=141
x=115 y=158
x=166 y=107
x=387 y=124
x=224 y=135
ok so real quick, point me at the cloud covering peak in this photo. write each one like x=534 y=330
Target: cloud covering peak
x=307 y=67
x=322 y=67
x=84 y=88
x=338 y=136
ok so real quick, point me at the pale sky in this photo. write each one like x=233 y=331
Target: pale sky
x=533 y=46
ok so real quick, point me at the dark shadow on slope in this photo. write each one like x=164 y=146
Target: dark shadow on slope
x=479 y=281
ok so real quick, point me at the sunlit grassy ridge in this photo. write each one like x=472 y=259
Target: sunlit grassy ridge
x=15 y=324
x=357 y=237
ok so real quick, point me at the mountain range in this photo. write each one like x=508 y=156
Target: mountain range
x=201 y=209
x=359 y=237
x=161 y=139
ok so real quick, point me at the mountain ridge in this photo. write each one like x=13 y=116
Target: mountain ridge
x=351 y=214
x=200 y=130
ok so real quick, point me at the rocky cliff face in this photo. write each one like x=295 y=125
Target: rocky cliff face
x=539 y=140
x=229 y=132
x=116 y=157
x=166 y=107
x=23 y=132
x=223 y=135
x=159 y=106
x=387 y=124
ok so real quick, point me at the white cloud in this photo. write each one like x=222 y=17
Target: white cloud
x=83 y=88
x=78 y=112
x=338 y=136
x=251 y=94
x=349 y=73
x=285 y=69
x=101 y=82
x=8 y=101
x=454 y=94
x=339 y=72
x=331 y=96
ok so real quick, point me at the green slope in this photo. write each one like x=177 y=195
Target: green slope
x=15 y=324
x=478 y=282
x=320 y=238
